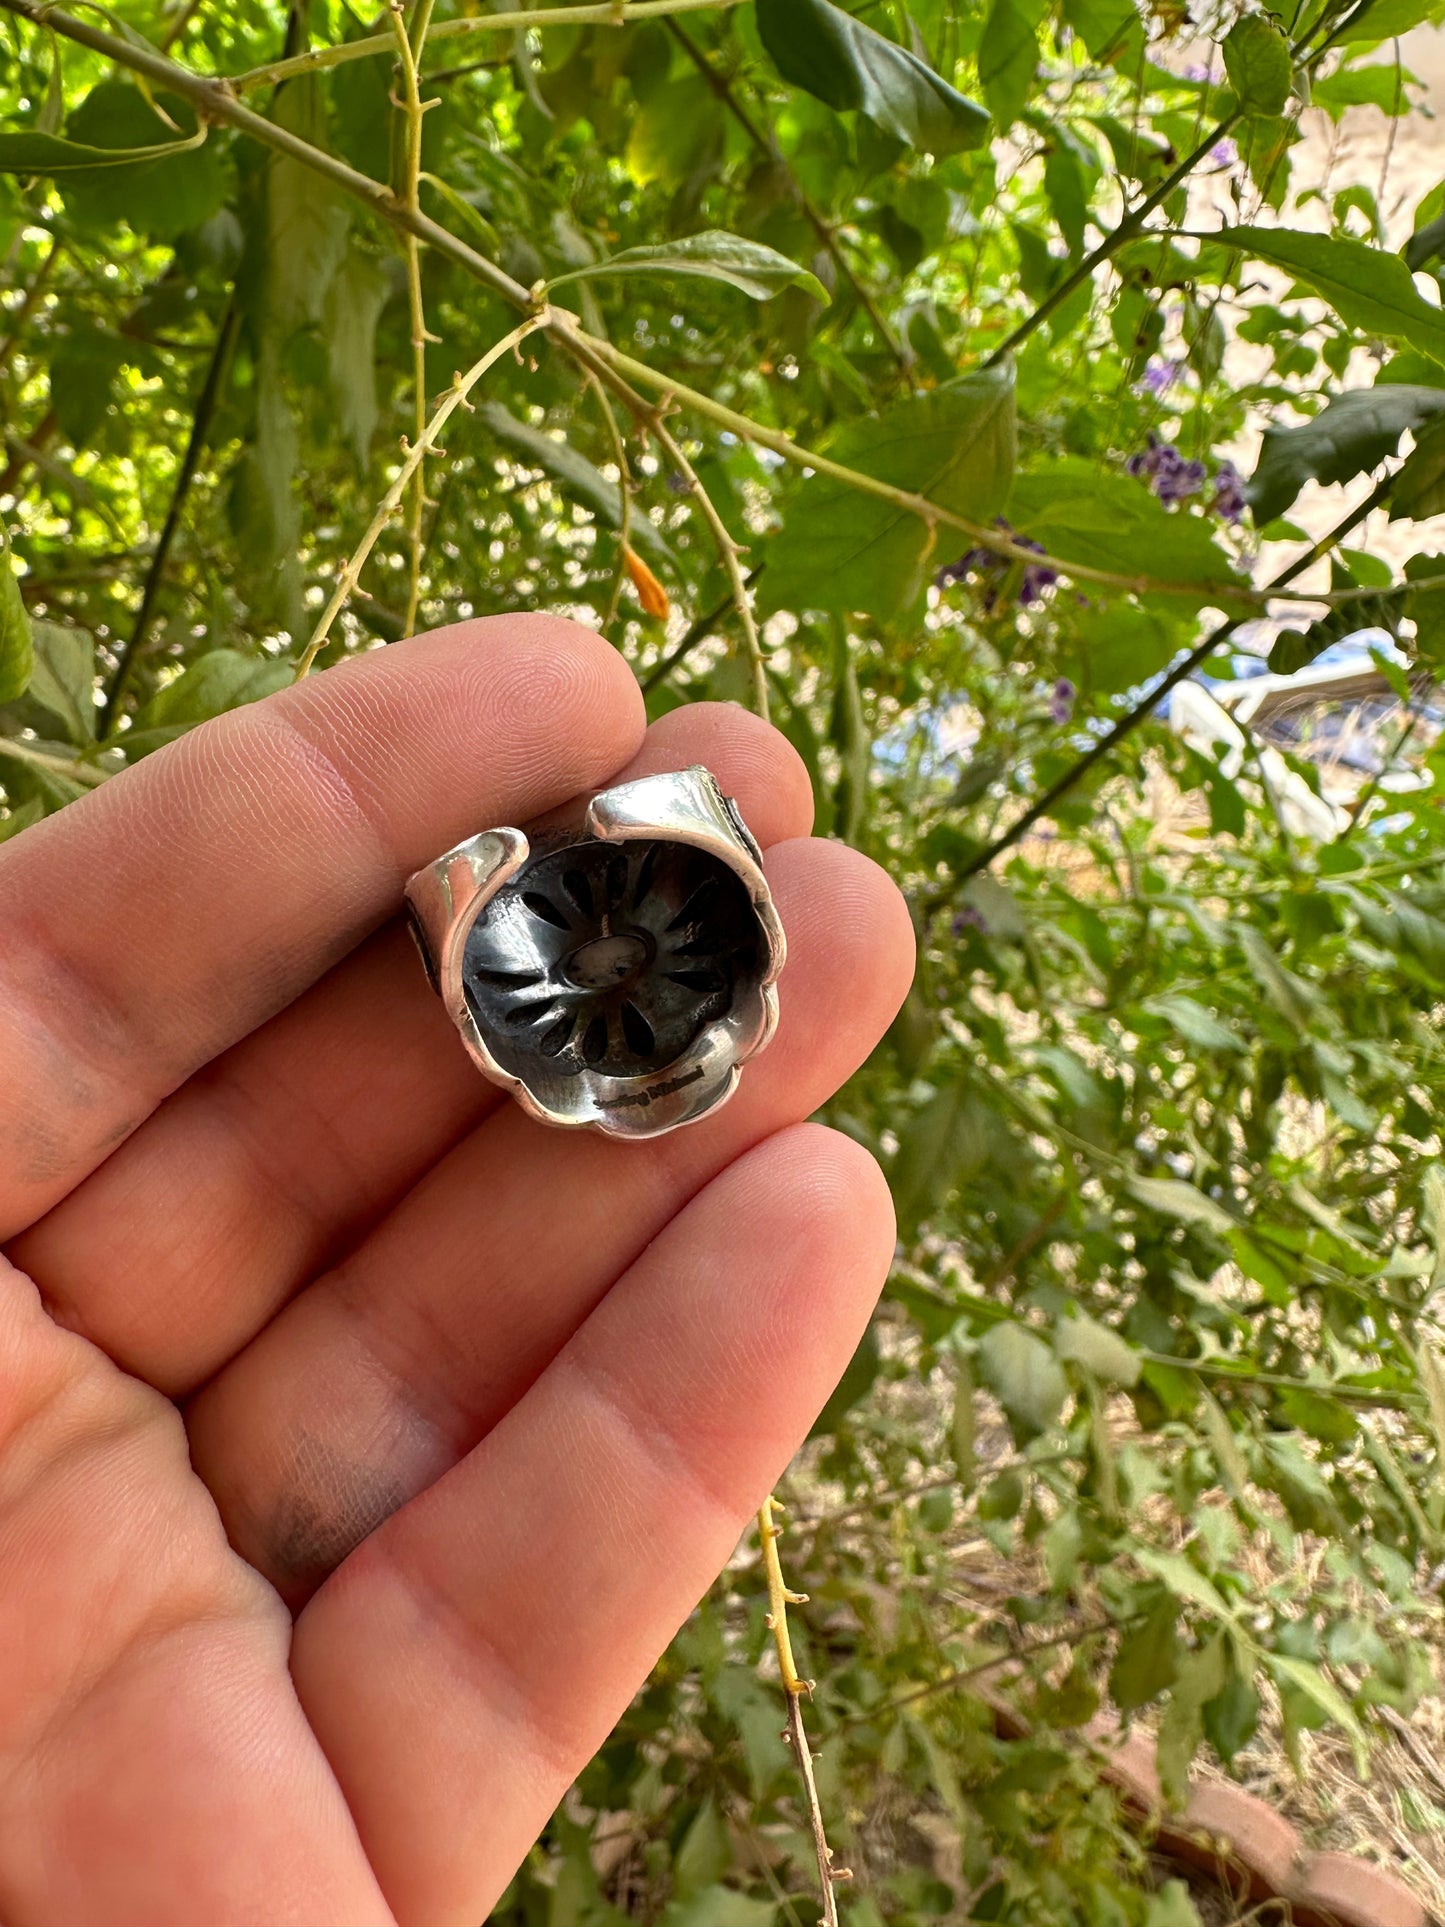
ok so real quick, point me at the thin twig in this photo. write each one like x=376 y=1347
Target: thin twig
x=606 y=13
x=821 y=226
x=624 y=495
x=454 y=398
x=779 y=1600
x=1150 y=700
x=409 y=48
x=88 y=774
x=698 y=631
x=206 y=401
x=729 y=551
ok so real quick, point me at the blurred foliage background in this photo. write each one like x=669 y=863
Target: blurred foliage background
x=1151 y=1420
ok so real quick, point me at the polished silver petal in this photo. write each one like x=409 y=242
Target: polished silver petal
x=617 y=967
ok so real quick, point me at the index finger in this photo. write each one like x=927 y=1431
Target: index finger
x=162 y=917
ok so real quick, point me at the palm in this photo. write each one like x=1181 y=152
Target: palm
x=475 y=1410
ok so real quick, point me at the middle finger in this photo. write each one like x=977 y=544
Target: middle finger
x=387 y=1371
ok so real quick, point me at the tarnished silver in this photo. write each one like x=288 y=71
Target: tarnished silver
x=614 y=966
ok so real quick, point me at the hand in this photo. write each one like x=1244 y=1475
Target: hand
x=362 y=1443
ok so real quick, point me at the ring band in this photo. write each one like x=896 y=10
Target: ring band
x=616 y=965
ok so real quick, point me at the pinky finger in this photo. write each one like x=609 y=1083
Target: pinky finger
x=468 y=1659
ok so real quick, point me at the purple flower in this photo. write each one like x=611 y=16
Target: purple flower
x=991 y=570
x=678 y=484
x=968 y=919
x=1224 y=153
x=1061 y=701
x=1229 y=501
x=1195 y=72
x=1172 y=478
x=1161 y=374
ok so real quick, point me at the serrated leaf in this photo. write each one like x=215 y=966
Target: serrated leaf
x=1183 y=1578
x=1082 y=1340
x=839 y=60
x=1024 y=1376
x=1367 y=287
x=1256 y=58
x=579 y=477
x=842 y=550
x=1351 y=435
x=1176 y=1198
x=1388 y=19
x=17 y=654
x=939 y=1146
x=714 y=255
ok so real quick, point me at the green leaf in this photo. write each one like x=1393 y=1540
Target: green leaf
x=1256 y=58
x=705 y=1855
x=1147 y=1660
x=1024 y=1376
x=844 y=63
x=1381 y=86
x=221 y=680
x=1427 y=243
x=1175 y=1198
x=938 y=1148
x=161 y=189
x=306 y=216
x=1309 y=1680
x=1419 y=490
x=354 y=304
x=1366 y=287
x=1008 y=58
x=581 y=480
x=842 y=550
x=63 y=681
x=1081 y=1340
x=17 y=653
x=51 y=155
x=1352 y=434
x=1106 y=520
x=16 y=820
x=712 y=256
x=1388 y=19
x=1194 y=1023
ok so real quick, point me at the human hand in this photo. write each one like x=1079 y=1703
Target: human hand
x=363 y=1443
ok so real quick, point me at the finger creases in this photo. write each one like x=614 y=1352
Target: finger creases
x=166 y=915
x=375 y=1380
x=464 y=1664
x=248 y=1180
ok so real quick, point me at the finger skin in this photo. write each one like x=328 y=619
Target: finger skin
x=270 y=1162
x=380 y=1376
x=155 y=1767
x=464 y=1664
x=167 y=914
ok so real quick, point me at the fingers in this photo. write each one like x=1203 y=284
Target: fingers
x=164 y=916
x=281 y=1153
x=463 y=1665
x=376 y=1379
x=155 y=1766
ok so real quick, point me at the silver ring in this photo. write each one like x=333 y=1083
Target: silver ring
x=615 y=965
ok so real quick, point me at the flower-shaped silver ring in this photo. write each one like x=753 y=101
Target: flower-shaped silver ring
x=614 y=966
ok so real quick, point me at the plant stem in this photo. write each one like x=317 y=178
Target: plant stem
x=454 y=398
x=696 y=633
x=110 y=708
x=1131 y=720
x=779 y=1600
x=88 y=774
x=409 y=47
x=821 y=226
x=729 y=551
x=607 y=13
x=1111 y=243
